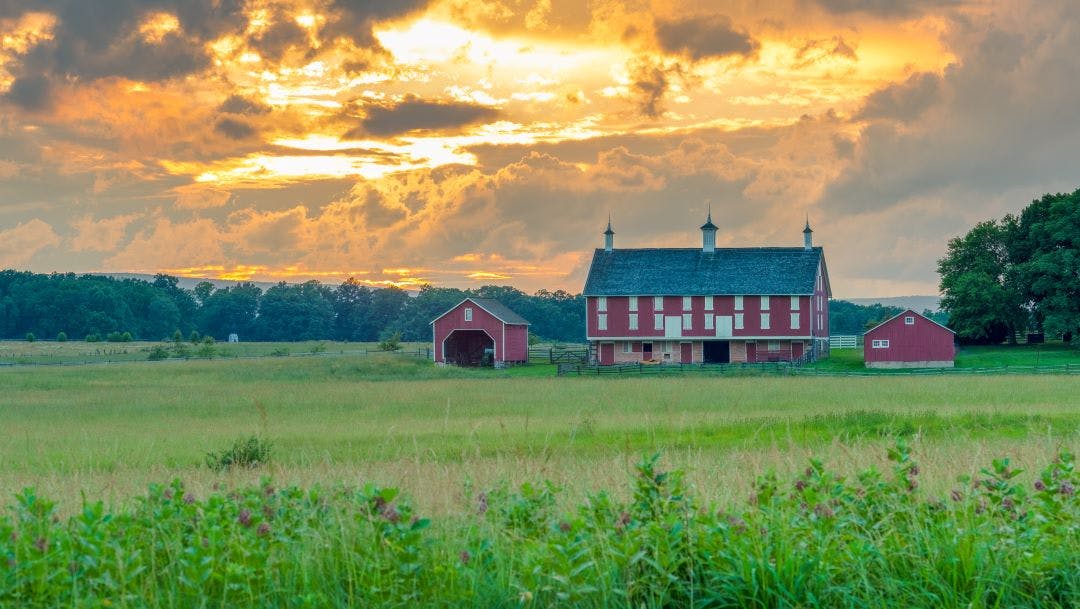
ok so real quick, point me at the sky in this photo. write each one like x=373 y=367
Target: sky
x=472 y=142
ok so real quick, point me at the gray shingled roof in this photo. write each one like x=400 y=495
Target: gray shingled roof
x=692 y=272
x=499 y=310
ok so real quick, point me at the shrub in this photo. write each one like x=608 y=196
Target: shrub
x=158 y=353
x=208 y=340
x=61 y=337
x=30 y=337
x=249 y=453
x=180 y=350
x=206 y=350
x=118 y=337
x=126 y=337
x=390 y=342
x=194 y=337
x=93 y=337
x=177 y=337
x=280 y=352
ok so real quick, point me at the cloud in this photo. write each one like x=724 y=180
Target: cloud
x=415 y=114
x=704 y=37
x=884 y=8
x=20 y=244
x=238 y=104
x=102 y=235
x=650 y=80
x=902 y=101
x=30 y=93
x=234 y=129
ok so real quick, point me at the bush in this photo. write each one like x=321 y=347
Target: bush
x=126 y=337
x=391 y=342
x=208 y=340
x=158 y=353
x=61 y=337
x=206 y=350
x=194 y=337
x=180 y=350
x=280 y=352
x=118 y=337
x=30 y=337
x=93 y=337
x=249 y=453
x=177 y=337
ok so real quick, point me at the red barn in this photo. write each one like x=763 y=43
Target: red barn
x=909 y=340
x=480 y=332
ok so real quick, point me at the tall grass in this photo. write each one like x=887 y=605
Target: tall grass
x=816 y=539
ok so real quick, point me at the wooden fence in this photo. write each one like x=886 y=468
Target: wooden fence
x=797 y=369
x=559 y=354
x=846 y=341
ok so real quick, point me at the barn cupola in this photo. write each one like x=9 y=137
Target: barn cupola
x=609 y=237
x=708 y=235
x=808 y=236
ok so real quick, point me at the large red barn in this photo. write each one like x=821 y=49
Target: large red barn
x=480 y=332
x=909 y=340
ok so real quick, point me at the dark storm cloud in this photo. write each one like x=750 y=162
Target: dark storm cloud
x=30 y=93
x=238 y=104
x=354 y=19
x=416 y=114
x=234 y=129
x=884 y=8
x=704 y=37
x=903 y=101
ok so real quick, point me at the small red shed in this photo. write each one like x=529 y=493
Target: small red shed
x=480 y=332
x=909 y=340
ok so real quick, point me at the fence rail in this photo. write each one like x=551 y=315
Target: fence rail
x=795 y=369
x=559 y=354
x=845 y=341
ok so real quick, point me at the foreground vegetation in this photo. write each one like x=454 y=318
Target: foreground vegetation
x=817 y=540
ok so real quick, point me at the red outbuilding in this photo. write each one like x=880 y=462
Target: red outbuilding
x=909 y=340
x=480 y=332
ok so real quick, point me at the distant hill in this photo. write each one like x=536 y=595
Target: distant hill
x=918 y=303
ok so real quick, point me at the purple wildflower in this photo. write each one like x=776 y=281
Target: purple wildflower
x=189 y=498
x=41 y=544
x=800 y=485
x=264 y=528
x=1039 y=485
x=390 y=513
x=481 y=504
x=244 y=517
x=464 y=556
x=823 y=511
x=1066 y=489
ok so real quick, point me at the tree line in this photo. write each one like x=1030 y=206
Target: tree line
x=95 y=306
x=1017 y=274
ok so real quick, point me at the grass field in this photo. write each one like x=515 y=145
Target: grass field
x=537 y=486
x=72 y=352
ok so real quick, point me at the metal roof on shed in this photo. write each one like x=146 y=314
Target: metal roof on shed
x=691 y=271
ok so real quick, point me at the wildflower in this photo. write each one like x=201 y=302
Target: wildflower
x=823 y=511
x=1066 y=488
x=390 y=513
x=481 y=504
x=464 y=556
x=244 y=517
x=564 y=527
x=1008 y=503
x=264 y=528
x=800 y=485
x=737 y=523
x=915 y=470
x=1039 y=485
x=189 y=498
x=956 y=495
x=809 y=472
x=41 y=544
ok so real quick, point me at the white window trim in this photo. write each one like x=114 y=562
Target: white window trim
x=794 y=321
x=709 y=303
x=687 y=321
x=601 y=321
x=739 y=324
x=687 y=303
x=633 y=321
x=709 y=322
x=601 y=303
x=879 y=344
x=794 y=303
x=765 y=322
x=909 y=320
x=468 y=313
x=738 y=303
x=658 y=303
x=658 y=321
x=764 y=303
x=633 y=303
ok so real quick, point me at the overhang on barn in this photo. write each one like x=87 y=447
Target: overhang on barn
x=909 y=340
x=480 y=332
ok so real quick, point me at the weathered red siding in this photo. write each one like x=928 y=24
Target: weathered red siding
x=511 y=346
x=618 y=316
x=925 y=341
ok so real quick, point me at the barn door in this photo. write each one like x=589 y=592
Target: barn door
x=723 y=326
x=673 y=326
x=607 y=354
x=796 y=350
x=751 y=352
x=687 y=353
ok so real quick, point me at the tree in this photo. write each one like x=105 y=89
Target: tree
x=979 y=288
x=352 y=302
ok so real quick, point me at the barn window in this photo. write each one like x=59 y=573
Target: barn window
x=819 y=308
x=708 y=322
x=686 y=302
x=774 y=345
x=627 y=347
x=633 y=303
x=738 y=303
x=658 y=321
x=909 y=321
x=601 y=321
x=633 y=321
x=764 y=303
x=738 y=321
x=794 y=321
x=820 y=322
x=880 y=344
x=468 y=313
x=687 y=321
x=794 y=303
x=764 y=321
x=601 y=303
x=658 y=303
x=708 y=303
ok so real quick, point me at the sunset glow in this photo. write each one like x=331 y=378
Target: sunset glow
x=487 y=142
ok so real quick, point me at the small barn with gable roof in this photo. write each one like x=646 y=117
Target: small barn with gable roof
x=909 y=340
x=480 y=332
